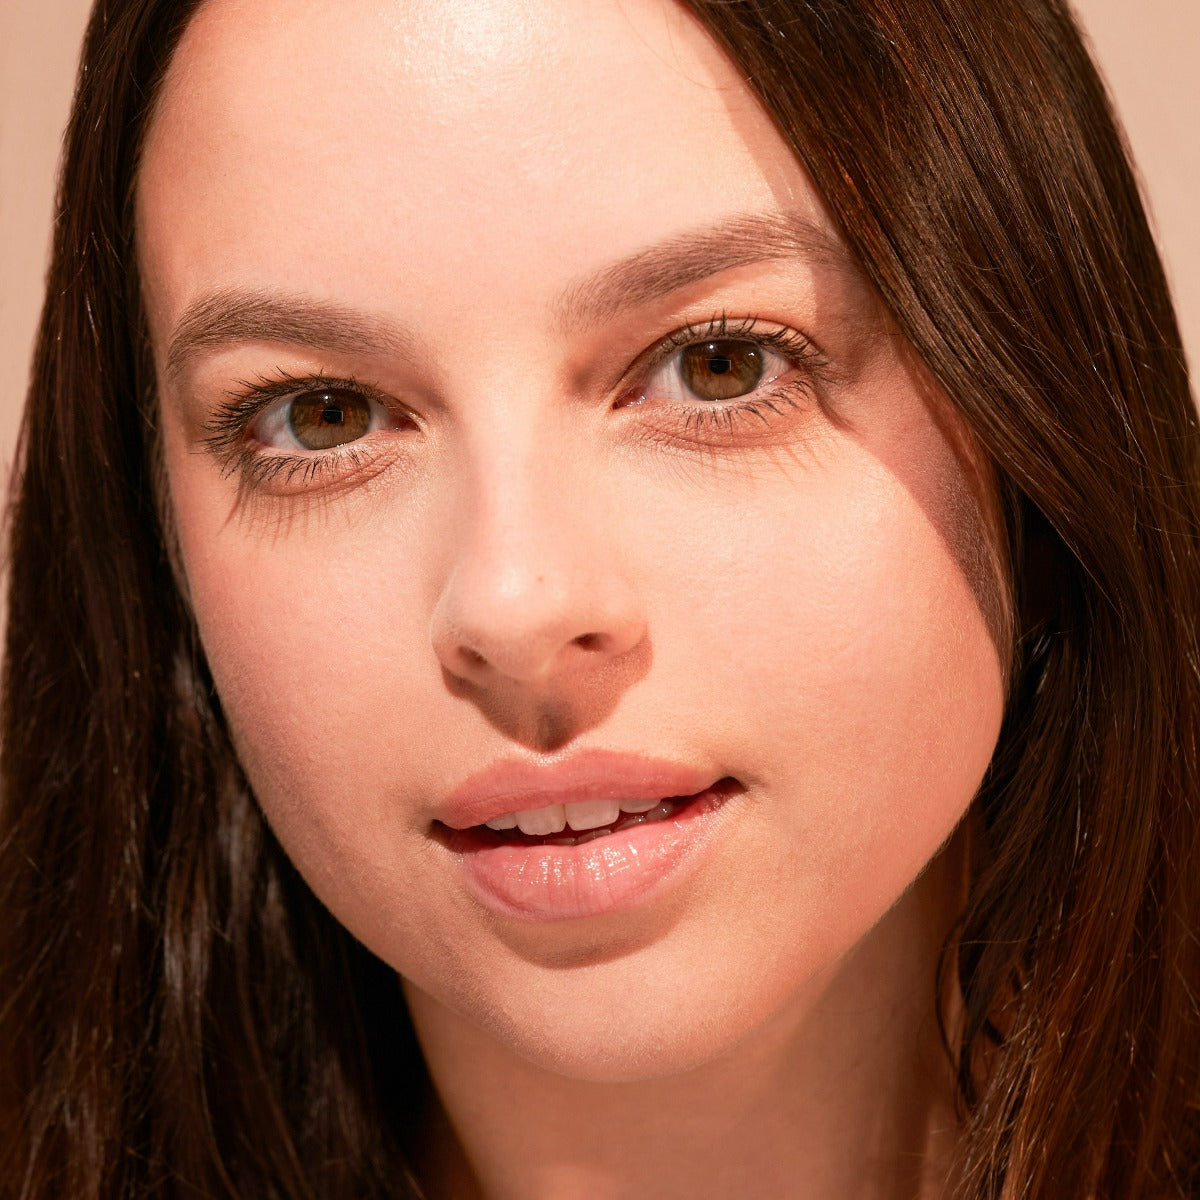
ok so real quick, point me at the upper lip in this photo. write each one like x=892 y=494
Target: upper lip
x=514 y=785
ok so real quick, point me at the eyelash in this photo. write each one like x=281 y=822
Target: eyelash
x=229 y=437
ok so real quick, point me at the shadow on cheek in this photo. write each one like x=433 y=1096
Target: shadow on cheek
x=955 y=485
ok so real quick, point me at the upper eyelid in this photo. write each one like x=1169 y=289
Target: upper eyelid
x=721 y=328
x=717 y=327
x=249 y=398
x=284 y=385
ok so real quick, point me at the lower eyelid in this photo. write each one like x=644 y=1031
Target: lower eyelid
x=762 y=418
x=282 y=474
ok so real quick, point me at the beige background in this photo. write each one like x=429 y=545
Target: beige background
x=1146 y=48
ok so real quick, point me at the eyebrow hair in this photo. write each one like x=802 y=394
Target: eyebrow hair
x=686 y=258
x=232 y=315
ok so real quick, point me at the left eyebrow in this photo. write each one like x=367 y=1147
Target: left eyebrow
x=686 y=258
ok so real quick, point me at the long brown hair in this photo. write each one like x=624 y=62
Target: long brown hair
x=179 y=1015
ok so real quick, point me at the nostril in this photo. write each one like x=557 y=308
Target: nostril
x=588 y=641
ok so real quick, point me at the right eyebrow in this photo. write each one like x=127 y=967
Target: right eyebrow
x=233 y=315
x=691 y=256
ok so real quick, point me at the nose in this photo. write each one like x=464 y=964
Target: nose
x=538 y=592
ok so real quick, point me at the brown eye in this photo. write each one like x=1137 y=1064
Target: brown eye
x=721 y=370
x=330 y=417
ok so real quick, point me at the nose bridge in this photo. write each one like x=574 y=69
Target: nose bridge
x=534 y=585
x=515 y=550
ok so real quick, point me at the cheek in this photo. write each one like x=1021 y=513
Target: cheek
x=313 y=629
x=860 y=655
x=845 y=606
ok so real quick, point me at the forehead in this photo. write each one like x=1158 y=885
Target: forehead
x=301 y=142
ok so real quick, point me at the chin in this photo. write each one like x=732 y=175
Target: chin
x=666 y=1009
x=630 y=1042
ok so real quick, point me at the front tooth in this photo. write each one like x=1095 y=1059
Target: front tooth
x=538 y=822
x=639 y=806
x=592 y=814
x=508 y=821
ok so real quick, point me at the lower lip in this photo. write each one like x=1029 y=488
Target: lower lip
x=605 y=875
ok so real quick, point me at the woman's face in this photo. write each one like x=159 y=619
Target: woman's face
x=532 y=440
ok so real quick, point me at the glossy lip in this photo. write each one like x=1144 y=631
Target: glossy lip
x=601 y=877
x=513 y=785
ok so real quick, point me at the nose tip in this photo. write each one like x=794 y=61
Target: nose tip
x=533 y=629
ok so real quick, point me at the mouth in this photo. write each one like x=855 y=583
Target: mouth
x=594 y=834
x=574 y=824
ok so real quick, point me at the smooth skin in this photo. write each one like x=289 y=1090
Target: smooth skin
x=535 y=540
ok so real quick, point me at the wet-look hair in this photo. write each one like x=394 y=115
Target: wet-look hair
x=179 y=1016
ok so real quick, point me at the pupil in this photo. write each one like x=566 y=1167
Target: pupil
x=332 y=415
x=720 y=365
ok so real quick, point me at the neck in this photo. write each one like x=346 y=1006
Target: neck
x=845 y=1091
